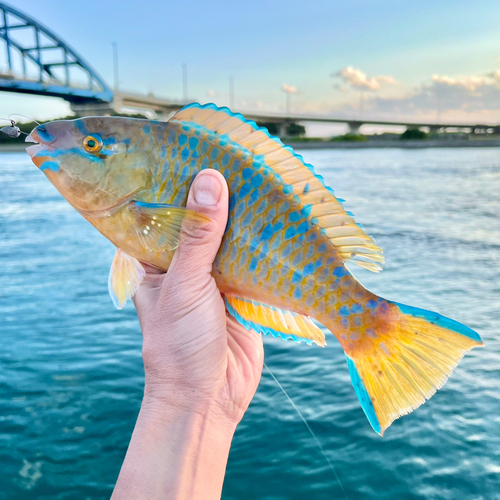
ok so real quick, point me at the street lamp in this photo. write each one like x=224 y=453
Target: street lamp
x=231 y=92
x=288 y=90
x=184 y=83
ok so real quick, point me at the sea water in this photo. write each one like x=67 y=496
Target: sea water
x=71 y=374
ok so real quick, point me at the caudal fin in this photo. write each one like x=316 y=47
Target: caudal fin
x=410 y=356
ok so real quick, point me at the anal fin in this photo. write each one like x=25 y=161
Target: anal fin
x=269 y=320
x=125 y=278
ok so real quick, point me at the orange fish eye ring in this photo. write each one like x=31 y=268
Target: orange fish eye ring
x=92 y=144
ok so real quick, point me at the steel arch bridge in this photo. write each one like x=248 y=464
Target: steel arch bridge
x=39 y=62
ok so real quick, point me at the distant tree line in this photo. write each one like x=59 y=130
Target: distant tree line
x=291 y=130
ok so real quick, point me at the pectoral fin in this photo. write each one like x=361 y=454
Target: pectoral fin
x=158 y=225
x=125 y=277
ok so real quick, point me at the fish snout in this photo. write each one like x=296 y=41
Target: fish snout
x=33 y=137
x=41 y=151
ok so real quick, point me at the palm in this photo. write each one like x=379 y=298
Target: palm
x=199 y=346
x=244 y=363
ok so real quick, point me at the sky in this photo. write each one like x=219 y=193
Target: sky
x=384 y=59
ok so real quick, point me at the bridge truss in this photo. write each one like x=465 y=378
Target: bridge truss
x=39 y=62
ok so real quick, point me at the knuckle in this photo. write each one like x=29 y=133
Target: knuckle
x=201 y=233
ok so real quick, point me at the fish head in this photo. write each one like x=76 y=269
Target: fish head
x=96 y=163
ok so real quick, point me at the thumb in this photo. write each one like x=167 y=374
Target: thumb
x=199 y=244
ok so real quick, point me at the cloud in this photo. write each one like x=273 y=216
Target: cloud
x=470 y=83
x=465 y=99
x=359 y=80
x=288 y=88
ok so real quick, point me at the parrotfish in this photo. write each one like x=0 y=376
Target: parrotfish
x=282 y=261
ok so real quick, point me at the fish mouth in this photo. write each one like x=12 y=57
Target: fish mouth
x=33 y=137
x=40 y=152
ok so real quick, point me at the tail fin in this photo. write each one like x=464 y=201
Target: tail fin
x=406 y=361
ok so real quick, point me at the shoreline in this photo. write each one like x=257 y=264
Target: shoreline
x=397 y=143
x=488 y=143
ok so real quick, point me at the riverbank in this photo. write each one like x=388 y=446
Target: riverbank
x=489 y=143
x=13 y=148
x=397 y=143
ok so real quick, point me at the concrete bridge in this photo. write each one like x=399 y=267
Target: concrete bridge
x=165 y=108
x=50 y=67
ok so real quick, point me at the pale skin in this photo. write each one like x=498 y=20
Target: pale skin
x=202 y=368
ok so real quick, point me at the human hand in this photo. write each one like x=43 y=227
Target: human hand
x=201 y=367
x=195 y=354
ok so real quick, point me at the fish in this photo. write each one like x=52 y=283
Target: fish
x=281 y=266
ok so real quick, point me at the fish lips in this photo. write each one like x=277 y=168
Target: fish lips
x=34 y=150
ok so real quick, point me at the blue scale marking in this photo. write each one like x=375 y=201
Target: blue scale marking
x=287 y=189
x=356 y=309
x=261 y=207
x=290 y=233
x=247 y=173
x=232 y=201
x=308 y=269
x=225 y=160
x=205 y=146
x=240 y=209
x=344 y=311
x=286 y=252
x=172 y=137
x=339 y=272
x=306 y=210
x=254 y=197
x=257 y=181
x=193 y=142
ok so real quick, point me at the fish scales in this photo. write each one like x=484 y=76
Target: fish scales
x=282 y=258
x=269 y=239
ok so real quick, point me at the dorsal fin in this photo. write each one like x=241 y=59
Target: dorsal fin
x=349 y=238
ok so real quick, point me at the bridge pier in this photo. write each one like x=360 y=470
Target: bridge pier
x=281 y=129
x=434 y=129
x=354 y=127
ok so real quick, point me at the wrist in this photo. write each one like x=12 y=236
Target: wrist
x=177 y=449
x=188 y=405
x=213 y=400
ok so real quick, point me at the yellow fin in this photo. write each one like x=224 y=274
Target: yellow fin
x=158 y=225
x=397 y=369
x=125 y=278
x=269 y=320
x=345 y=234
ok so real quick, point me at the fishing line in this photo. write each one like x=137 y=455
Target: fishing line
x=13 y=131
x=309 y=429
x=24 y=116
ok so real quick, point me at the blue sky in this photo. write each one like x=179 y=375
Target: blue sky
x=399 y=59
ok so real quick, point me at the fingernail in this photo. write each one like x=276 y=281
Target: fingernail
x=206 y=190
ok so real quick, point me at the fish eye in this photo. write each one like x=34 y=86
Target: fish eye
x=92 y=144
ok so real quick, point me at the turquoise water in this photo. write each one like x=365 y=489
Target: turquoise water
x=71 y=372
